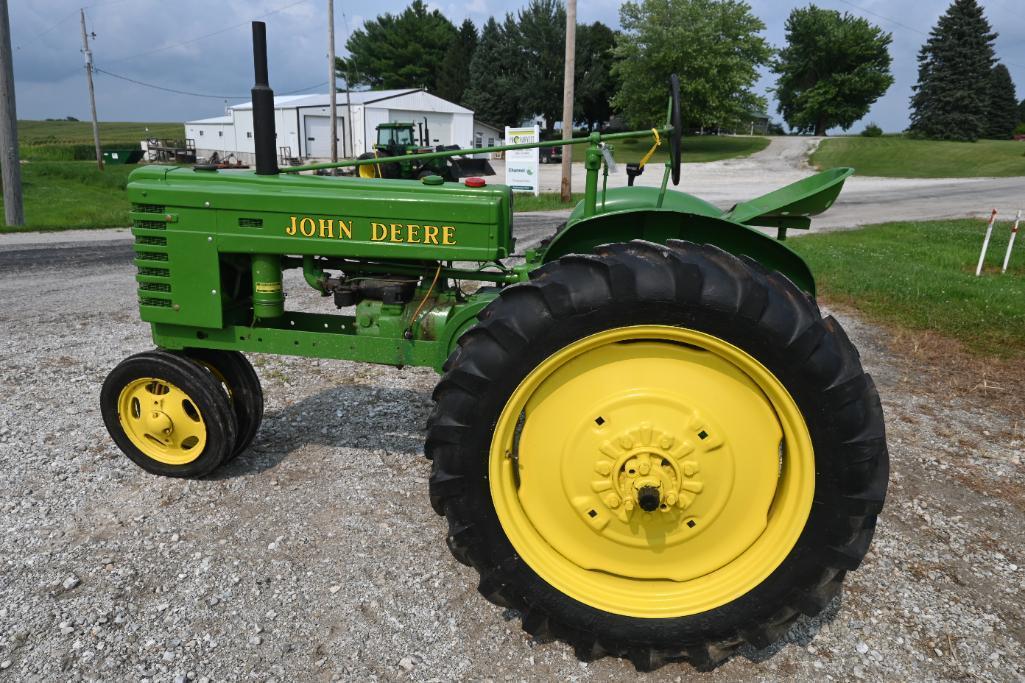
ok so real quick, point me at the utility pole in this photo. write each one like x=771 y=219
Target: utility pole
x=348 y=99
x=92 y=94
x=10 y=165
x=567 y=99
x=331 y=77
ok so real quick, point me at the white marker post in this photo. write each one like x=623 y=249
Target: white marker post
x=985 y=242
x=1010 y=243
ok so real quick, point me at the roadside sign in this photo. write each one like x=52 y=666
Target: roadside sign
x=522 y=166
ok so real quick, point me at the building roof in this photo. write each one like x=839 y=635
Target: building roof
x=212 y=119
x=322 y=100
x=477 y=123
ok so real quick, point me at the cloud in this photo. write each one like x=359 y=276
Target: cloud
x=170 y=44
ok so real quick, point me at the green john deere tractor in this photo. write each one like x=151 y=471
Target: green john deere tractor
x=397 y=140
x=646 y=439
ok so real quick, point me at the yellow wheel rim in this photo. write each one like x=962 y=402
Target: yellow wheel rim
x=162 y=421
x=369 y=171
x=656 y=418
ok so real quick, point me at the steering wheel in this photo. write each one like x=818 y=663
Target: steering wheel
x=676 y=121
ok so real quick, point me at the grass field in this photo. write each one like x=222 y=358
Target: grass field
x=73 y=194
x=921 y=276
x=73 y=140
x=895 y=156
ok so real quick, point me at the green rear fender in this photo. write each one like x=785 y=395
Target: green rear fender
x=661 y=225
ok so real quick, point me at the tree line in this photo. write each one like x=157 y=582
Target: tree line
x=832 y=69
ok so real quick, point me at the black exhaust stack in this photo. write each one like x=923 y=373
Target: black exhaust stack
x=263 y=106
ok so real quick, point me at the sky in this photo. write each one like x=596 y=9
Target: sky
x=203 y=47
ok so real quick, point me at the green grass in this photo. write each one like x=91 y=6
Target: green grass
x=73 y=140
x=696 y=149
x=72 y=194
x=921 y=276
x=895 y=156
x=546 y=201
x=114 y=132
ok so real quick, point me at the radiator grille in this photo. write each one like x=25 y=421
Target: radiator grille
x=155 y=282
x=148 y=208
x=151 y=225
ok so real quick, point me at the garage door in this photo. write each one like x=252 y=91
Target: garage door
x=439 y=125
x=318 y=136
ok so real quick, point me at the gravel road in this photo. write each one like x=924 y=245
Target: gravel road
x=316 y=556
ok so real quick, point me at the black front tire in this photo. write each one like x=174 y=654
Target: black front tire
x=204 y=393
x=685 y=285
x=242 y=384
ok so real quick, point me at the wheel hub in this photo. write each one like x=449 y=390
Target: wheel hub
x=162 y=421
x=645 y=470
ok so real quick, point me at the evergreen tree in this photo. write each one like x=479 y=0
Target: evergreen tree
x=495 y=75
x=594 y=83
x=833 y=68
x=399 y=51
x=454 y=70
x=954 y=67
x=1002 y=113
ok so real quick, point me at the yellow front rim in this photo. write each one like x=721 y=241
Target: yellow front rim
x=656 y=418
x=162 y=421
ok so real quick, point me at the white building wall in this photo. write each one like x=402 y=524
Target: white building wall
x=462 y=129
x=372 y=116
x=237 y=137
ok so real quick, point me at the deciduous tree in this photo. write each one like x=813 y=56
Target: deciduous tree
x=715 y=46
x=541 y=51
x=833 y=68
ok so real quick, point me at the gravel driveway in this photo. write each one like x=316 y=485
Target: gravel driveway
x=864 y=200
x=316 y=556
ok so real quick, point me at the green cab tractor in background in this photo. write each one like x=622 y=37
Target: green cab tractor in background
x=396 y=139
x=646 y=439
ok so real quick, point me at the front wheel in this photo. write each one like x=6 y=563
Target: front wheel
x=168 y=415
x=658 y=452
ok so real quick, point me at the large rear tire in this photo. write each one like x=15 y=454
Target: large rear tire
x=657 y=452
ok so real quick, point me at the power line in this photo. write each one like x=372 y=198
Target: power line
x=170 y=90
x=98 y=70
x=309 y=87
x=880 y=16
x=64 y=20
x=206 y=35
x=905 y=26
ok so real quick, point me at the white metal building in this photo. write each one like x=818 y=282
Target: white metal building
x=303 y=124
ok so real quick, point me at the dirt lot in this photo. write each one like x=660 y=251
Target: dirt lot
x=316 y=556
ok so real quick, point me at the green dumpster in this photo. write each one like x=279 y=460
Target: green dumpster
x=122 y=156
